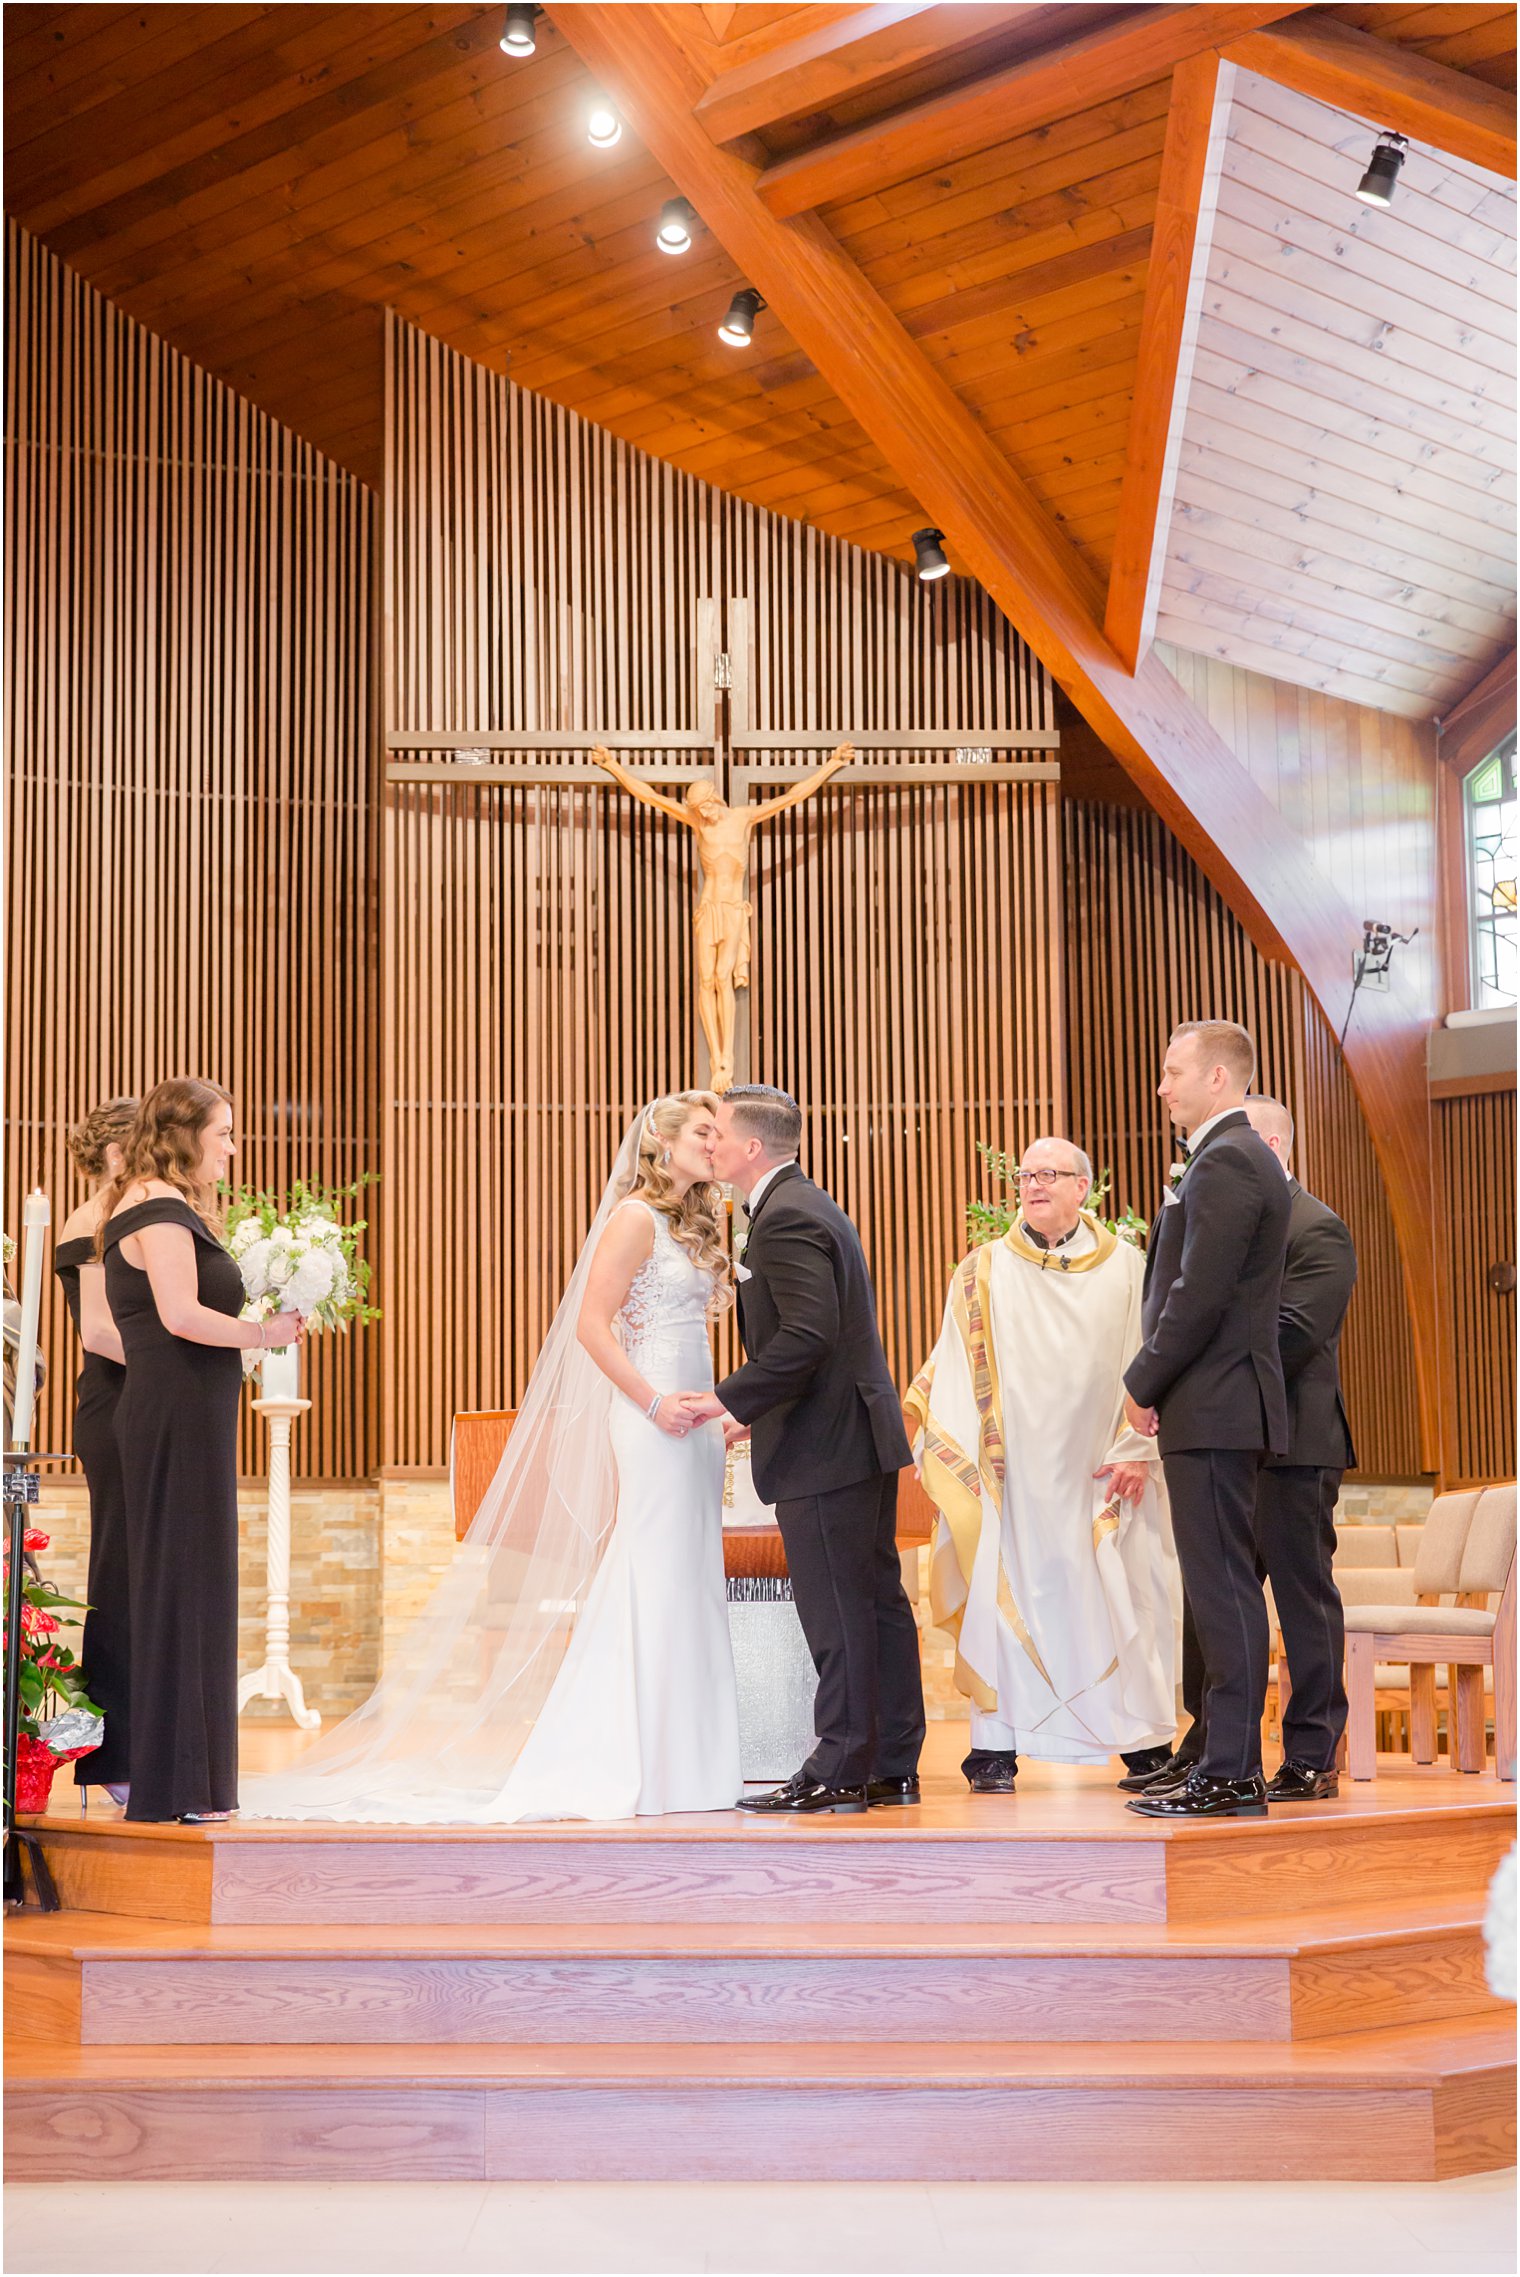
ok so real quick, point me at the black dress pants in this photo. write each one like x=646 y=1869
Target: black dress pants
x=1295 y=1536
x=841 y=1552
x=1213 y=1497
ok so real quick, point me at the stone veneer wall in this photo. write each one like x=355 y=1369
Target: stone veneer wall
x=364 y=1557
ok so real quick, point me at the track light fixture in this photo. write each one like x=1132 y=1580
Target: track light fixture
x=517 y=36
x=674 y=232
x=929 y=547
x=738 y=327
x=1376 y=186
x=603 y=126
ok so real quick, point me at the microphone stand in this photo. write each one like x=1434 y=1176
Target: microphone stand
x=22 y=1846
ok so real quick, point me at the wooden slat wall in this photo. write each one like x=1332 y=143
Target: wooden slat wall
x=1476 y=1142
x=1149 y=942
x=190 y=765
x=538 y=985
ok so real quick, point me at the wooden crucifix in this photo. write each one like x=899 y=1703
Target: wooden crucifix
x=723 y=912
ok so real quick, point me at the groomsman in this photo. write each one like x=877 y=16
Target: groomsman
x=1296 y=1492
x=1207 y=1382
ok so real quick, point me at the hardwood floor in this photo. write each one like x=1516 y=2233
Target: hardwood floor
x=1000 y=1988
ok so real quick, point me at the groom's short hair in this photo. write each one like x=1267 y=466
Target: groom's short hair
x=771 y=1116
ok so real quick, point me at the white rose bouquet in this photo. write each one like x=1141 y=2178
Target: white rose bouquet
x=296 y=1255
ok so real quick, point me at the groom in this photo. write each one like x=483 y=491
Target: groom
x=827 y=1445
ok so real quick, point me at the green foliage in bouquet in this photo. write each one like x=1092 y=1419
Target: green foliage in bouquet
x=295 y=1251
x=51 y=1679
x=989 y=1221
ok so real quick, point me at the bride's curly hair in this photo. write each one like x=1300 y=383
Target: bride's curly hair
x=698 y=1218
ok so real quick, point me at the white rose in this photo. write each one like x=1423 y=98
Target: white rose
x=280 y=1267
x=254 y=1263
x=282 y=1237
x=311 y=1281
x=243 y=1237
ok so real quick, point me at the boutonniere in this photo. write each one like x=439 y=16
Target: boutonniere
x=740 y=1239
x=1177 y=1173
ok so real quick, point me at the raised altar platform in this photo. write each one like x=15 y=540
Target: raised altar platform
x=988 y=1987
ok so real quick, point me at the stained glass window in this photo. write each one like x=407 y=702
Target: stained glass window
x=1491 y=871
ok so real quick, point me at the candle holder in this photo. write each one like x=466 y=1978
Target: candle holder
x=277 y=1680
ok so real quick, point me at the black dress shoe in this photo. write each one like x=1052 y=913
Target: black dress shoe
x=771 y=1799
x=1298 y=1783
x=1169 y=1772
x=905 y=1791
x=812 y=1797
x=1203 y=1797
x=990 y=1772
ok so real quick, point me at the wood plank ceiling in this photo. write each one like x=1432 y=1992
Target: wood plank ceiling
x=257 y=183
x=1345 y=503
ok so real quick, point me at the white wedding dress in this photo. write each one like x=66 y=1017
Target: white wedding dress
x=644 y=1713
x=573 y=1660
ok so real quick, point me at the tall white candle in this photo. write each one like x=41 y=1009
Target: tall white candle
x=34 y=1220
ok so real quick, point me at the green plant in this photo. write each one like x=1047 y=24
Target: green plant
x=51 y=1679
x=989 y=1221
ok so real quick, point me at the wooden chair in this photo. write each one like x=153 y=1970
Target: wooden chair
x=476 y=1446
x=1362 y=1546
x=1467 y=1550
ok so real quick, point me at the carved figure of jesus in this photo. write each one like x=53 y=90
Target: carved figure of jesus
x=722 y=833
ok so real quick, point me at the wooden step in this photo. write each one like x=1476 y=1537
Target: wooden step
x=1415 y=2103
x=102 y=1979
x=1060 y=1852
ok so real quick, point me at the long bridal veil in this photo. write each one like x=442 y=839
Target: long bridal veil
x=464 y=1683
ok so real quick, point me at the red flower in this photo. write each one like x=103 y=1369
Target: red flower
x=36 y=1623
x=34 y=1539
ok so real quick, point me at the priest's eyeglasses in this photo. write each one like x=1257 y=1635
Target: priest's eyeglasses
x=1044 y=1177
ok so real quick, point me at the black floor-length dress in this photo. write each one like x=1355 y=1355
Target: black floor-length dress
x=176 y=1426
x=106 y=1650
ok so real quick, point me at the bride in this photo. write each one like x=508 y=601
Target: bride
x=575 y=1661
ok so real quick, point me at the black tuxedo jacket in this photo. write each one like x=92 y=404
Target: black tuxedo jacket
x=816 y=1390
x=1213 y=1283
x=1318 y=1279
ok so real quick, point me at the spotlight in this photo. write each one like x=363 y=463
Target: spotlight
x=674 y=232
x=738 y=327
x=517 y=33
x=929 y=547
x=603 y=126
x=1376 y=186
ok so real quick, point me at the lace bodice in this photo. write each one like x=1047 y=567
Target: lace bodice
x=668 y=1296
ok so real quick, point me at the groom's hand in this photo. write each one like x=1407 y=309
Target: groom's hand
x=735 y=1433
x=704 y=1407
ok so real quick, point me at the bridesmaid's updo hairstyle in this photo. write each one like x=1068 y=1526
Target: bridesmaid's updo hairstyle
x=697 y=1218
x=164 y=1142
x=105 y=1125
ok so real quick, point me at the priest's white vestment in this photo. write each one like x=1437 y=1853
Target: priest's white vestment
x=1065 y=1604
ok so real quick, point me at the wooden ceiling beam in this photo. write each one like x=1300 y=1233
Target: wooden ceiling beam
x=1188 y=773
x=844 y=59
x=1179 y=259
x=1480 y=719
x=1388 y=86
x=1144 y=45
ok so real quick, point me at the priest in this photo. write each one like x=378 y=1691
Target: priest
x=1052 y=1564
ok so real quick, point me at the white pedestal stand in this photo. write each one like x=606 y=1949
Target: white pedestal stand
x=277 y=1680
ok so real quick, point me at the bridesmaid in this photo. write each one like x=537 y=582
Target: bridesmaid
x=176 y=1293
x=96 y=1146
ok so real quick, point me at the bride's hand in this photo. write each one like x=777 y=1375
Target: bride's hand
x=671 y=1416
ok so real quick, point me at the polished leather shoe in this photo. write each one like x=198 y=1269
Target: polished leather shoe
x=798 y=1783
x=1298 y=1783
x=1203 y=1797
x=812 y=1796
x=904 y=1791
x=992 y=1775
x=1141 y=1777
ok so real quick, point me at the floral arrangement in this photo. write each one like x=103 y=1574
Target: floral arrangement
x=296 y=1255
x=56 y=1710
x=10 y=1247
x=989 y=1221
